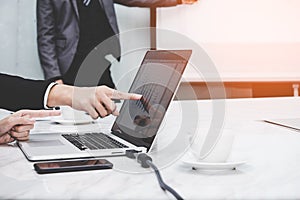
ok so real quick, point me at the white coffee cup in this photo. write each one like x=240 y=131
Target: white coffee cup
x=212 y=146
x=71 y=114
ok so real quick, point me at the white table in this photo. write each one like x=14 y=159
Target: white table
x=272 y=170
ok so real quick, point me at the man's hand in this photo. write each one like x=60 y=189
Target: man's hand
x=18 y=125
x=97 y=101
x=188 y=1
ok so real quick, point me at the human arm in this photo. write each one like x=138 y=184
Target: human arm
x=19 y=93
x=18 y=125
x=46 y=38
x=97 y=101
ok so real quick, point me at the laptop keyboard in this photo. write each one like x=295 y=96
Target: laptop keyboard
x=93 y=141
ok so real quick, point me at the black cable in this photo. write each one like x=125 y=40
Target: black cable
x=146 y=161
x=162 y=184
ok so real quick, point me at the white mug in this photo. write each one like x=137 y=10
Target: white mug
x=69 y=113
x=212 y=146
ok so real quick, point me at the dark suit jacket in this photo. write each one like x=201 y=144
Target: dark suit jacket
x=58 y=29
x=19 y=93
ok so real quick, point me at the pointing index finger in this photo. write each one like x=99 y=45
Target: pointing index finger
x=124 y=95
x=40 y=113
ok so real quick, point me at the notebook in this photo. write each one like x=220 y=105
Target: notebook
x=137 y=125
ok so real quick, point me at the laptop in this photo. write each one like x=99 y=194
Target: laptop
x=136 y=126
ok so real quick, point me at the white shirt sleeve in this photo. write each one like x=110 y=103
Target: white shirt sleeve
x=47 y=94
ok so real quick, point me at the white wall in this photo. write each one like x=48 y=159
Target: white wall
x=18 y=49
x=134 y=36
x=235 y=20
x=18 y=39
x=247 y=39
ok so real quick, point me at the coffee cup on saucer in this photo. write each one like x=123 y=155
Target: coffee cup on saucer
x=214 y=147
x=211 y=149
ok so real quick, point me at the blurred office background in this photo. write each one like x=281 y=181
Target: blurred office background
x=255 y=44
x=18 y=47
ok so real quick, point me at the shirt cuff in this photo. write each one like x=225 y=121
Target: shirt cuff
x=50 y=86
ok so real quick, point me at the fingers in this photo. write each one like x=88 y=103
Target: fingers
x=21 y=132
x=110 y=106
x=123 y=95
x=92 y=112
x=22 y=128
x=115 y=111
x=100 y=109
x=106 y=107
x=98 y=101
x=18 y=125
x=19 y=135
x=103 y=103
x=13 y=121
x=6 y=139
x=38 y=113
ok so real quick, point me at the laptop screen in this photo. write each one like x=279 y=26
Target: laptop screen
x=157 y=80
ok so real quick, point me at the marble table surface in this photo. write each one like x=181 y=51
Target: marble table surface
x=271 y=171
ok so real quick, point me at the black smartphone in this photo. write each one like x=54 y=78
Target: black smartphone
x=71 y=165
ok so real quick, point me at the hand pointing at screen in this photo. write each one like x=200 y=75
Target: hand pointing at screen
x=97 y=101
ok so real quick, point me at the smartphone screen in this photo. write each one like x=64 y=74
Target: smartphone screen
x=72 y=165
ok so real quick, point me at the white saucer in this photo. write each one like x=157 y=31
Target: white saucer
x=72 y=122
x=190 y=160
x=213 y=166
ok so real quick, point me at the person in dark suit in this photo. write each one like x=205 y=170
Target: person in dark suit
x=69 y=29
x=20 y=93
x=23 y=93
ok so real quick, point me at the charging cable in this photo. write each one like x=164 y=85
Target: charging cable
x=146 y=162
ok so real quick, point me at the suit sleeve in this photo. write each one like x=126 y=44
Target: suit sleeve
x=148 y=3
x=46 y=38
x=19 y=93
